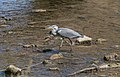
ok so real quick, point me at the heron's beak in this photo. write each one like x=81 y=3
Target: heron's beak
x=48 y=28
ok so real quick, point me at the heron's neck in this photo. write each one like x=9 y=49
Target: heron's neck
x=54 y=31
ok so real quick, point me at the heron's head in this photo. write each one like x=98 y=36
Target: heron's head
x=53 y=27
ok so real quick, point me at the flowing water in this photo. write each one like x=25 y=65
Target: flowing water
x=23 y=22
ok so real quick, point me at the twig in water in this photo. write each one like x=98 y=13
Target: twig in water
x=113 y=65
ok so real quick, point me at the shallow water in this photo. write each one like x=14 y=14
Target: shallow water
x=23 y=22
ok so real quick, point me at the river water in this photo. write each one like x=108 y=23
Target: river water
x=23 y=22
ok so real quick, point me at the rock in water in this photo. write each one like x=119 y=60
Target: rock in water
x=12 y=71
x=56 y=56
x=111 y=57
x=84 y=38
x=101 y=40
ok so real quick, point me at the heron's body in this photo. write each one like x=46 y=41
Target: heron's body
x=64 y=33
x=68 y=33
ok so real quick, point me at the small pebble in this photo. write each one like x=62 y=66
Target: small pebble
x=101 y=40
x=96 y=61
x=116 y=46
x=82 y=17
x=32 y=23
x=46 y=62
x=39 y=10
x=54 y=69
x=29 y=46
x=4 y=25
x=10 y=32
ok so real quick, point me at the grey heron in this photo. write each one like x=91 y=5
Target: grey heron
x=65 y=33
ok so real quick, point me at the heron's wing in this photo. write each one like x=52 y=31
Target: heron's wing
x=69 y=33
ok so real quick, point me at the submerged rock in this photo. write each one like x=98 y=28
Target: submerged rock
x=111 y=57
x=47 y=50
x=51 y=51
x=56 y=56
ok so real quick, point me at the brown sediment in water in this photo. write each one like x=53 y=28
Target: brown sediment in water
x=97 y=19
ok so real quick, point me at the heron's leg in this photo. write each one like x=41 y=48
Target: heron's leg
x=61 y=44
x=71 y=43
x=67 y=42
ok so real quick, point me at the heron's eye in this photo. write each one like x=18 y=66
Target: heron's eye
x=50 y=32
x=54 y=28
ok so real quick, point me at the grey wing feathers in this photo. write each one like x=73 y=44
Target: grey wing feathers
x=68 y=33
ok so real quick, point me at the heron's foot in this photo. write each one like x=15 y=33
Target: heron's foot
x=60 y=47
x=71 y=47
